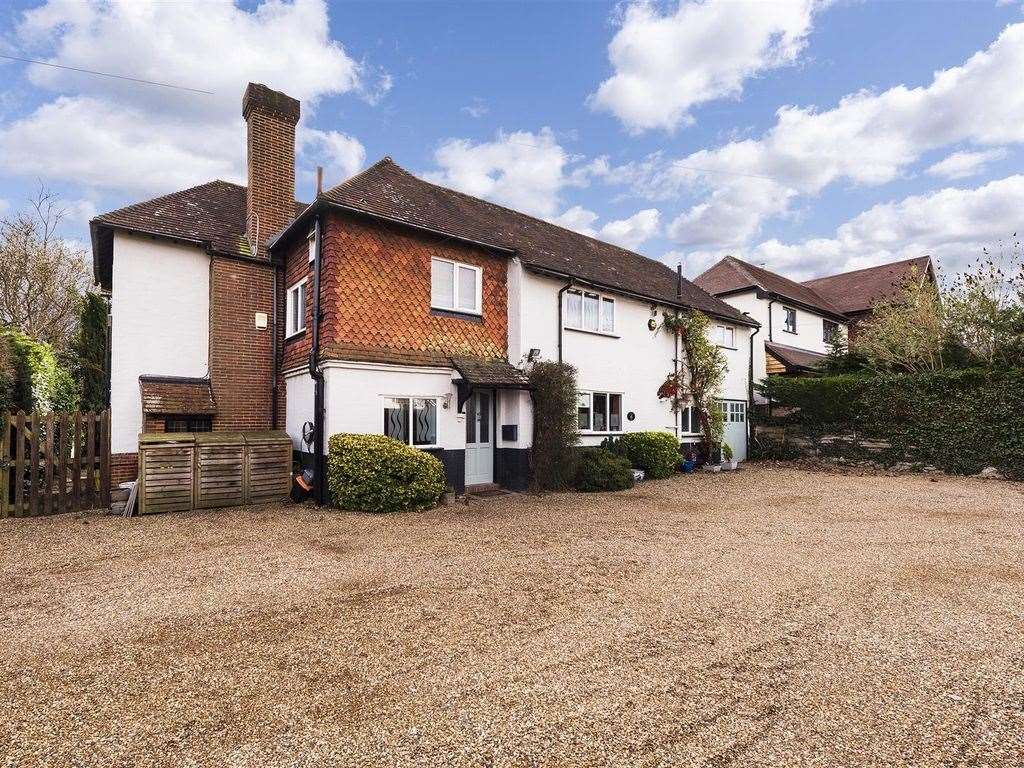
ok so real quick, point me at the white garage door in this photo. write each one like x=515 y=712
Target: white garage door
x=735 y=412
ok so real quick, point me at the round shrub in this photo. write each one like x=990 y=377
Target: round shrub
x=373 y=473
x=601 y=470
x=656 y=453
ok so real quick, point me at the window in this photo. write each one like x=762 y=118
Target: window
x=829 y=331
x=411 y=420
x=455 y=287
x=790 y=322
x=725 y=336
x=734 y=411
x=585 y=311
x=312 y=246
x=188 y=424
x=690 y=420
x=295 y=309
x=600 y=411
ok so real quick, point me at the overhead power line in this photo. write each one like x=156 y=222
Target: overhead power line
x=106 y=74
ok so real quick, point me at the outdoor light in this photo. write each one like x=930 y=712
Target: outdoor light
x=532 y=355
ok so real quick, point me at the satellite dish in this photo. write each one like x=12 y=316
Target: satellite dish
x=307 y=433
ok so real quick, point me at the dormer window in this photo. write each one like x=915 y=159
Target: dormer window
x=455 y=287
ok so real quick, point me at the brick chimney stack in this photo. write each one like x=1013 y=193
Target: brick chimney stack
x=270 y=144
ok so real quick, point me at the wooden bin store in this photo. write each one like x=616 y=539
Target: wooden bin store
x=200 y=470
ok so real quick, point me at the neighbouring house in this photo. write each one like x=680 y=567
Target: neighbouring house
x=431 y=305
x=799 y=321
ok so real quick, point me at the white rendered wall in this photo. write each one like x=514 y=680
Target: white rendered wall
x=160 y=324
x=298 y=405
x=634 y=361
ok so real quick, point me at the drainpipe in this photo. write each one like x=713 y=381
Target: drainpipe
x=772 y=301
x=316 y=373
x=675 y=342
x=273 y=353
x=561 y=295
x=750 y=375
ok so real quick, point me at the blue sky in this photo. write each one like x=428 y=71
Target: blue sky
x=811 y=137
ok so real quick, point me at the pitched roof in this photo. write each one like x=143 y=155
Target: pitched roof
x=388 y=190
x=211 y=215
x=176 y=395
x=791 y=357
x=490 y=373
x=859 y=290
x=731 y=274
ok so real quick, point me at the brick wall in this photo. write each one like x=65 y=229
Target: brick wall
x=375 y=292
x=123 y=467
x=241 y=368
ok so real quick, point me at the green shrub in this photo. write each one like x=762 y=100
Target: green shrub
x=40 y=383
x=373 y=473
x=656 y=453
x=555 y=425
x=601 y=470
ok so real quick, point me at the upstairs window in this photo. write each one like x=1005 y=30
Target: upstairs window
x=829 y=331
x=725 y=336
x=312 y=246
x=586 y=311
x=295 y=309
x=455 y=287
x=790 y=320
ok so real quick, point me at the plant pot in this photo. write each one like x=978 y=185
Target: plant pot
x=713 y=467
x=730 y=465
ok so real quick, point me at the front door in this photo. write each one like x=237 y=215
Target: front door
x=479 y=439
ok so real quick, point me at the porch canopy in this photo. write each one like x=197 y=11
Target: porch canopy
x=790 y=360
x=483 y=373
x=177 y=396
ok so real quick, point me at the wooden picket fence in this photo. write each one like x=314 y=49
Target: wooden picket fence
x=55 y=462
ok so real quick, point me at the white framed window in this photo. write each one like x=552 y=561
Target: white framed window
x=829 y=331
x=588 y=311
x=725 y=336
x=600 y=411
x=295 y=309
x=411 y=420
x=455 y=287
x=790 y=320
x=312 y=246
x=690 y=420
x=733 y=411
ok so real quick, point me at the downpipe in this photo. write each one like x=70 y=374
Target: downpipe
x=316 y=373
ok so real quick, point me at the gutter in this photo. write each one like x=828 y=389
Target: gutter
x=316 y=373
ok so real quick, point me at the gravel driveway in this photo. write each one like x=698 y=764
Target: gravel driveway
x=774 y=616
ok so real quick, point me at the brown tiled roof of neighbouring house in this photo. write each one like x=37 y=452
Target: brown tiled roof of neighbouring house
x=176 y=395
x=859 y=290
x=389 y=191
x=211 y=215
x=732 y=275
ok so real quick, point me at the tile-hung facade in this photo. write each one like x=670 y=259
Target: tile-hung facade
x=432 y=306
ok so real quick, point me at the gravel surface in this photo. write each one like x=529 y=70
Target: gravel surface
x=773 y=616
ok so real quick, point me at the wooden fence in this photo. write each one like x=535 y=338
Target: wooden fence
x=57 y=462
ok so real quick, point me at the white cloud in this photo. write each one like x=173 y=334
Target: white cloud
x=950 y=224
x=632 y=232
x=119 y=135
x=668 y=63
x=578 y=219
x=960 y=165
x=342 y=155
x=523 y=170
x=868 y=138
x=476 y=110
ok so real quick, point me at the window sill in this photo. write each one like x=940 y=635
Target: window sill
x=791 y=333
x=473 y=317
x=605 y=334
x=295 y=336
x=589 y=433
x=722 y=346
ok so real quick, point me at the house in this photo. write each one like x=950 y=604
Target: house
x=388 y=305
x=799 y=321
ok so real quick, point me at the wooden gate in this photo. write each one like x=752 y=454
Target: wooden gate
x=55 y=462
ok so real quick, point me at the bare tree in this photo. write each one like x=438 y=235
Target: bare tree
x=42 y=275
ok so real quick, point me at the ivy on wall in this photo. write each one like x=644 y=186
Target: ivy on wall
x=958 y=420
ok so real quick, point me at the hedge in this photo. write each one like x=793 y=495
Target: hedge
x=958 y=420
x=656 y=453
x=599 y=469
x=374 y=473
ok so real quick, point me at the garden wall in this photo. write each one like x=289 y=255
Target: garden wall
x=960 y=421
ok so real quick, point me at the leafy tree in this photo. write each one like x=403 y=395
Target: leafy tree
x=42 y=276
x=699 y=377
x=906 y=333
x=91 y=351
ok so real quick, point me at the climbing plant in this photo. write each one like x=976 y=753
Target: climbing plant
x=700 y=375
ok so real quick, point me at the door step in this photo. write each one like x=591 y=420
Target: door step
x=486 y=491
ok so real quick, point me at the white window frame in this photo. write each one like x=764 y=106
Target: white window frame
x=299 y=289
x=602 y=300
x=724 y=334
x=825 y=322
x=456 y=265
x=687 y=417
x=589 y=395
x=785 y=324
x=410 y=398
x=312 y=246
